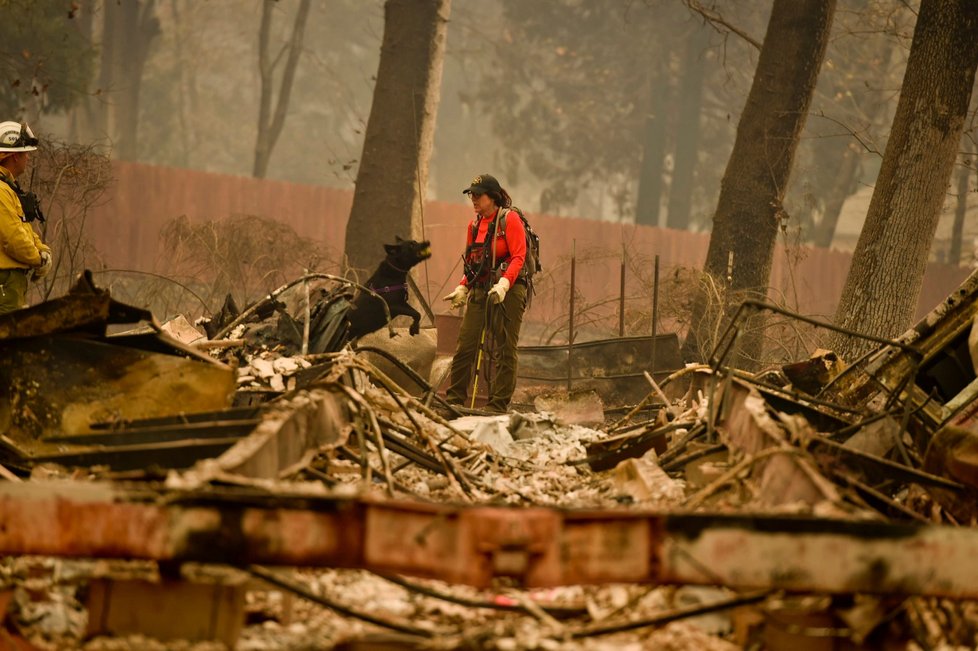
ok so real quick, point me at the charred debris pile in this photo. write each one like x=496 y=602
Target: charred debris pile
x=817 y=497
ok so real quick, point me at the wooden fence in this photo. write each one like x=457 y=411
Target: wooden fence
x=126 y=230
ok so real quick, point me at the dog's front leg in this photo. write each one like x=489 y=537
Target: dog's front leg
x=407 y=310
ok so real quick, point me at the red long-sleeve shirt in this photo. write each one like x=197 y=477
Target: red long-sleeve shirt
x=510 y=246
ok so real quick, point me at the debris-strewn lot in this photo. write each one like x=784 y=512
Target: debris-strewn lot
x=232 y=491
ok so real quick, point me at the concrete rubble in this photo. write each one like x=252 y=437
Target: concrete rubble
x=269 y=499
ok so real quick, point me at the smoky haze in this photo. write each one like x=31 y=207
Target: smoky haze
x=614 y=110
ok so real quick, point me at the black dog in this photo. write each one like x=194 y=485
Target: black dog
x=390 y=282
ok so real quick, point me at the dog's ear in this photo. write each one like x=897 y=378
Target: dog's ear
x=390 y=248
x=398 y=240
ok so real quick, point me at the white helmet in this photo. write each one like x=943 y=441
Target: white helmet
x=16 y=136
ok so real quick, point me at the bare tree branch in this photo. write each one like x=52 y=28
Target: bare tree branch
x=269 y=125
x=715 y=19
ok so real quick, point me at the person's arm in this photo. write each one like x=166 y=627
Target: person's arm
x=469 y=239
x=17 y=238
x=458 y=297
x=516 y=243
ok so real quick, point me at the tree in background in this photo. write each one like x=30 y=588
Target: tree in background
x=883 y=286
x=648 y=203
x=851 y=114
x=688 y=128
x=965 y=172
x=270 y=122
x=571 y=93
x=397 y=147
x=46 y=63
x=749 y=212
x=205 y=61
x=128 y=31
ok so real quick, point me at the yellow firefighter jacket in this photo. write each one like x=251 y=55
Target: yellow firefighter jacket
x=20 y=246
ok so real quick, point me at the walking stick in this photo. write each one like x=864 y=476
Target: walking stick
x=478 y=359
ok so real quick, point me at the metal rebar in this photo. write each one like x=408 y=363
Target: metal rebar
x=570 y=317
x=621 y=295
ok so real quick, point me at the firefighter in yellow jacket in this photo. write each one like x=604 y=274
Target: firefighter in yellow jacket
x=22 y=253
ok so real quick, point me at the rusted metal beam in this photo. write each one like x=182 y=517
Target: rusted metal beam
x=85 y=308
x=474 y=545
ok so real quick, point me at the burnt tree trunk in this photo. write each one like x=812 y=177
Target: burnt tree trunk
x=883 y=285
x=749 y=212
x=400 y=131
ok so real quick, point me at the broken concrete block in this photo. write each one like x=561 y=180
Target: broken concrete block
x=264 y=368
x=527 y=426
x=289 y=365
x=471 y=423
x=493 y=433
x=276 y=383
x=181 y=330
x=643 y=480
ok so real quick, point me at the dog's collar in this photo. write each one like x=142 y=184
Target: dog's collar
x=395 y=267
x=388 y=288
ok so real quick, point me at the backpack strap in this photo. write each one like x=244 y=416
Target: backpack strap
x=28 y=200
x=497 y=228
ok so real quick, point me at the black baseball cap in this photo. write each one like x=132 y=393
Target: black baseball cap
x=483 y=184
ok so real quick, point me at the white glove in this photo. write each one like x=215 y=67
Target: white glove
x=42 y=271
x=458 y=297
x=498 y=291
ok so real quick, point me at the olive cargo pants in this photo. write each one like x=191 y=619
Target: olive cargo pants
x=503 y=332
x=13 y=289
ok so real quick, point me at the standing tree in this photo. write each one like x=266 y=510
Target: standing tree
x=400 y=131
x=883 y=286
x=45 y=59
x=129 y=29
x=269 y=123
x=580 y=97
x=688 y=129
x=961 y=203
x=749 y=212
x=649 y=201
x=851 y=111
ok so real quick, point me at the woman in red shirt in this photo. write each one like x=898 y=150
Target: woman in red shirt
x=493 y=292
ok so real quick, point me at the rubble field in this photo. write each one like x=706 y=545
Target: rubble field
x=166 y=488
